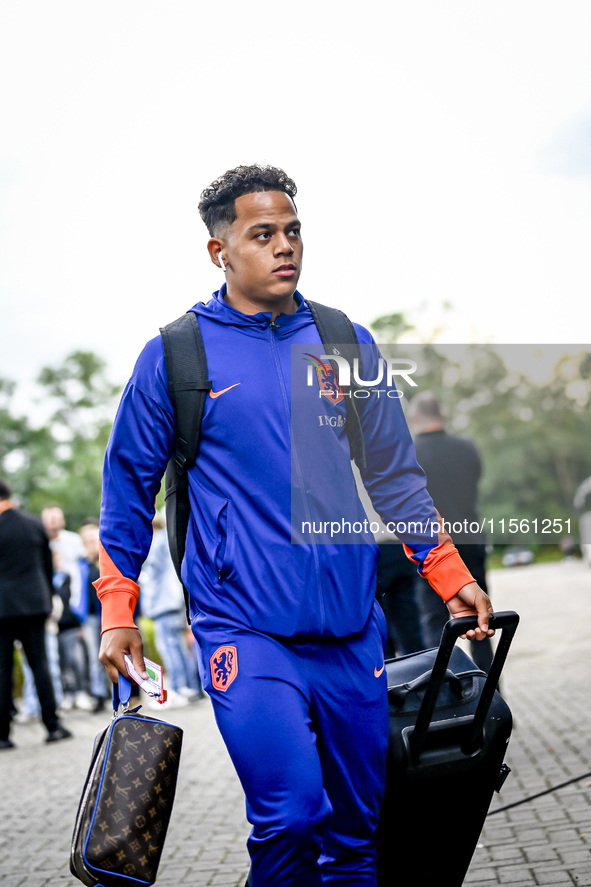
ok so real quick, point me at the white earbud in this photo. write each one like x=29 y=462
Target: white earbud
x=221 y=261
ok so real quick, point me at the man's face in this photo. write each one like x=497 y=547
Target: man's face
x=53 y=521
x=90 y=540
x=263 y=247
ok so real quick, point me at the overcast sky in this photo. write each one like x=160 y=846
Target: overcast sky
x=442 y=152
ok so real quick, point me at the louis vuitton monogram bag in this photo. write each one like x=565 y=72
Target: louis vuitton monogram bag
x=127 y=799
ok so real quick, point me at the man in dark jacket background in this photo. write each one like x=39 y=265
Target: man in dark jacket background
x=453 y=468
x=26 y=572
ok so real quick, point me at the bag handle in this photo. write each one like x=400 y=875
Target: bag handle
x=121 y=692
x=507 y=621
x=401 y=691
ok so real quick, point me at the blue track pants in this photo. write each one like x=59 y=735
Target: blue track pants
x=306 y=726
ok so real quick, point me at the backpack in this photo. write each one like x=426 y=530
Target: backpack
x=186 y=368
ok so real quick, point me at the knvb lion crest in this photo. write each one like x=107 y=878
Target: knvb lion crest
x=224 y=666
x=327 y=378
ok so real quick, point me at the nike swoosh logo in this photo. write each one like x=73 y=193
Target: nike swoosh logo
x=378 y=673
x=213 y=393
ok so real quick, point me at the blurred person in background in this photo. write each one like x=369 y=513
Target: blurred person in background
x=83 y=607
x=26 y=574
x=397 y=595
x=88 y=610
x=70 y=548
x=30 y=708
x=72 y=650
x=453 y=468
x=67 y=543
x=396 y=584
x=60 y=540
x=582 y=503
x=162 y=600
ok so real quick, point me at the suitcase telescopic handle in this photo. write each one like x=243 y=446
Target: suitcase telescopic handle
x=507 y=621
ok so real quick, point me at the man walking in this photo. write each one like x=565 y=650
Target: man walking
x=453 y=468
x=26 y=573
x=290 y=635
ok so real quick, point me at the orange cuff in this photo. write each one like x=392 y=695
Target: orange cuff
x=443 y=568
x=118 y=595
x=448 y=574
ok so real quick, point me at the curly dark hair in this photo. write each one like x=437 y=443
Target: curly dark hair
x=217 y=206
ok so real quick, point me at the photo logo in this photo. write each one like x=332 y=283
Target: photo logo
x=331 y=381
x=326 y=376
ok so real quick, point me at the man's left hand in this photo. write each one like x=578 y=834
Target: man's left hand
x=472 y=601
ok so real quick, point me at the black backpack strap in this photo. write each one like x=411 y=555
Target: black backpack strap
x=186 y=368
x=339 y=337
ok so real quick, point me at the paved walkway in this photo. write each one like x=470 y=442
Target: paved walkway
x=547 y=683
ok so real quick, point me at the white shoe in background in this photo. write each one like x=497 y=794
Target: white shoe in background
x=190 y=694
x=22 y=717
x=67 y=703
x=84 y=701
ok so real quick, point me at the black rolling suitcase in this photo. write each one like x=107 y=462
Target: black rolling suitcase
x=449 y=730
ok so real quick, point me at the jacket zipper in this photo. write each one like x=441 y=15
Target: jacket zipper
x=273 y=327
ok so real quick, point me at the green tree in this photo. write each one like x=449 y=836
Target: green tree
x=84 y=402
x=27 y=454
x=391 y=327
x=61 y=461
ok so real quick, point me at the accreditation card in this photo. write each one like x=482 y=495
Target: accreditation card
x=153 y=684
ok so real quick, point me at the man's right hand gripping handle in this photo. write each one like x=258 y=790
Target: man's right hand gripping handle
x=115 y=643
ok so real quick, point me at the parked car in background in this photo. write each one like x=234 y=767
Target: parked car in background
x=518 y=556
